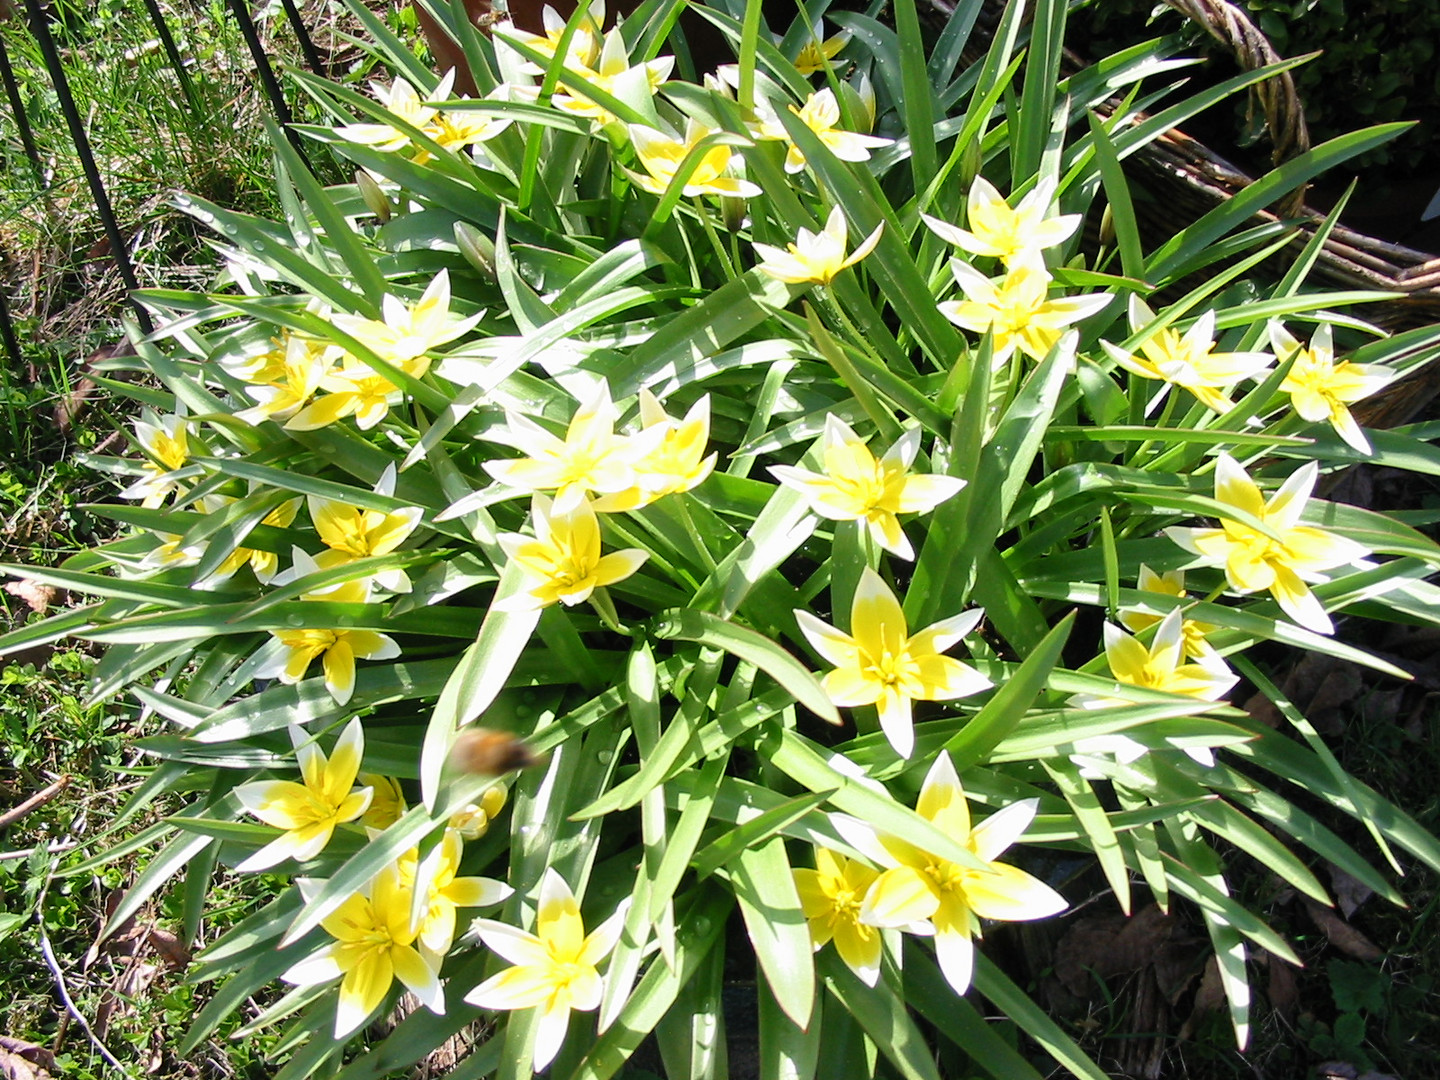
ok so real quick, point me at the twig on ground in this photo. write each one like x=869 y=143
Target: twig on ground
x=58 y=974
x=40 y=798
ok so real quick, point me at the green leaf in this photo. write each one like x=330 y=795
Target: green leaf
x=687 y=625
x=770 y=905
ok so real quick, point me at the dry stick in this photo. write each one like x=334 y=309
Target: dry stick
x=40 y=798
x=59 y=976
x=54 y=848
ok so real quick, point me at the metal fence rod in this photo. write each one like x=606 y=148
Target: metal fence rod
x=12 y=343
x=17 y=106
x=168 y=44
x=307 y=44
x=268 y=81
x=35 y=11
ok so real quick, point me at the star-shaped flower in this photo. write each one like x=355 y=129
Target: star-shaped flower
x=310 y=810
x=563 y=561
x=815 y=257
x=374 y=945
x=677 y=463
x=1283 y=558
x=1012 y=236
x=1321 y=390
x=878 y=664
x=853 y=485
x=1160 y=666
x=821 y=114
x=920 y=890
x=1192 y=633
x=1018 y=310
x=555 y=967
x=661 y=155
x=1187 y=360
x=831 y=897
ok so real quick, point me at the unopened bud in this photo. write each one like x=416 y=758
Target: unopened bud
x=970 y=162
x=1107 y=227
x=478 y=249
x=374 y=197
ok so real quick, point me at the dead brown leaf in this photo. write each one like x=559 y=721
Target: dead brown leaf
x=38 y=598
x=1209 y=998
x=1283 y=989
x=1263 y=711
x=1349 y=892
x=21 y=1060
x=1341 y=934
x=1109 y=945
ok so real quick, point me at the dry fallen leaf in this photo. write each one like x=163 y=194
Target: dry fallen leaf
x=1283 y=989
x=37 y=597
x=1342 y=935
x=1349 y=892
x=1209 y=998
x=1110 y=945
x=21 y=1060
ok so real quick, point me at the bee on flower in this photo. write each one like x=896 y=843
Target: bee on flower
x=1322 y=391
x=853 y=485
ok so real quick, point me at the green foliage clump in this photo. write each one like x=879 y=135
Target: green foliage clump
x=559 y=546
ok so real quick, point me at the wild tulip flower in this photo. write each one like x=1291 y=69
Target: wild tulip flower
x=1160 y=665
x=263 y=564
x=472 y=820
x=821 y=114
x=563 y=561
x=585 y=43
x=1187 y=360
x=166 y=446
x=447 y=892
x=613 y=74
x=591 y=457
x=818 y=52
x=661 y=155
x=853 y=485
x=1013 y=236
x=283 y=386
x=831 y=897
x=1018 y=311
x=1192 y=633
x=920 y=890
x=678 y=463
x=352 y=532
x=337 y=649
x=355 y=390
x=310 y=810
x=879 y=664
x=374 y=945
x=815 y=257
x=555 y=968
x=401 y=101
x=1280 y=561
x=1321 y=390
x=387 y=801
x=406 y=333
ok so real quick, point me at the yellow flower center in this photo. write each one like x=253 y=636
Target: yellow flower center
x=945 y=876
